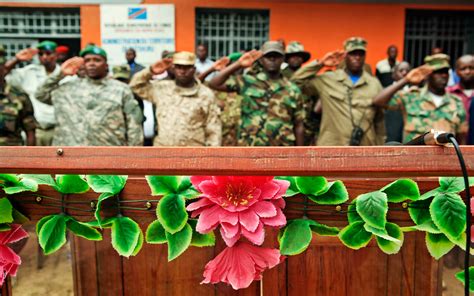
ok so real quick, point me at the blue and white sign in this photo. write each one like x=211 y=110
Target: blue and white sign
x=149 y=29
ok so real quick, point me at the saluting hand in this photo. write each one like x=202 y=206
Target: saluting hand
x=26 y=54
x=333 y=58
x=248 y=58
x=72 y=65
x=161 y=66
x=417 y=75
x=221 y=63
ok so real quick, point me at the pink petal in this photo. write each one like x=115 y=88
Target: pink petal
x=472 y=205
x=472 y=233
x=197 y=180
x=2 y=276
x=279 y=202
x=215 y=193
x=230 y=230
x=208 y=219
x=15 y=234
x=231 y=218
x=257 y=237
x=229 y=240
x=269 y=189
x=7 y=255
x=203 y=202
x=283 y=187
x=277 y=221
x=265 y=209
x=249 y=220
x=241 y=276
x=11 y=269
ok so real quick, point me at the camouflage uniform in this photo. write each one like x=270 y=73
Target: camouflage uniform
x=16 y=114
x=420 y=114
x=269 y=110
x=93 y=112
x=185 y=116
x=230 y=104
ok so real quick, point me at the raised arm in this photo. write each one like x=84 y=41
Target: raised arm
x=68 y=68
x=245 y=61
x=141 y=82
x=415 y=76
x=308 y=72
x=23 y=55
x=217 y=66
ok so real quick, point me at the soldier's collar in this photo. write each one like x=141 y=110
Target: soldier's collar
x=97 y=81
x=188 y=91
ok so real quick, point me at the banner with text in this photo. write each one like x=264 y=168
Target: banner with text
x=149 y=29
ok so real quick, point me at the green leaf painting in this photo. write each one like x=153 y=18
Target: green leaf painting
x=438 y=244
x=449 y=213
x=6 y=211
x=171 y=212
x=355 y=236
x=125 y=235
x=52 y=233
x=178 y=242
x=336 y=194
x=69 y=184
x=155 y=233
x=373 y=208
x=311 y=185
x=296 y=237
x=401 y=190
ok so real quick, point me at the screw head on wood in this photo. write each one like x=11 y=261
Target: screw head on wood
x=39 y=199
x=60 y=151
x=405 y=205
x=92 y=204
x=148 y=205
x=338 y=208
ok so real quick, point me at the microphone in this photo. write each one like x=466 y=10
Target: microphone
x=433 y=137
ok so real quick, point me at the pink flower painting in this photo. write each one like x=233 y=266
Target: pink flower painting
x=240 y=264
x=9 y=260
x=242 y=206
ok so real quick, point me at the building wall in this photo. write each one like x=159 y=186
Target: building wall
x=321 y=27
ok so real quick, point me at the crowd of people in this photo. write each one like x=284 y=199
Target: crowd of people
x=271 y=96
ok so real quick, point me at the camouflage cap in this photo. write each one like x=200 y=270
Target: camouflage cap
x=92 y=49
x=438 y=61
x=296 y=48
x=47 y=45
x=121 y=72
x=167 y=54
x=273 y=46
x=355 y=43
x=184 y=58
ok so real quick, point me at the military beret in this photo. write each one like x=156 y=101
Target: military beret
x=296 y=48
x=121 y=72
x=47 y=45
x=62 y=49
x=92 y=49
x=234 y=56
x=184 y=58
x=273 y=46
x=355 y=43
x=438 y=61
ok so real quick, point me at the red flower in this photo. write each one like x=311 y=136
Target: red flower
x=9 y=260
x=240 y=205
x=240 y=265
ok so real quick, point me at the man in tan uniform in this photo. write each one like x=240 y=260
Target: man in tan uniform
x=345 y=97
x=187 y=113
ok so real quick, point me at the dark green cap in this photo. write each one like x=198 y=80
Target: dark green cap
x=93 y=50
x=438 y=61
x=47 y=45
x=234 y=56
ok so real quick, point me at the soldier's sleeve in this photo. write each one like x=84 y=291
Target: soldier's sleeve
x=141 y=85
x=300 y=112
x=379 y=120
x=133 y=118
x=463 y=126
x=396 y=102
x=234 y=83
x=16 y=78
x=28 y=120
x=213 y=127
x=43 y=94
x=305 y=78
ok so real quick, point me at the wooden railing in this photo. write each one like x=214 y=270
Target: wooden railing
x=362 y=169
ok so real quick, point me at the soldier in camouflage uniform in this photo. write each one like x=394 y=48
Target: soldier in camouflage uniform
x=93 y=111
x=186 y=111
x=430 y=107
x=16 y=114
x=295 y=56
x=272 y=106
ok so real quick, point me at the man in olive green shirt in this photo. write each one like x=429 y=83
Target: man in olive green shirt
x=345 y=97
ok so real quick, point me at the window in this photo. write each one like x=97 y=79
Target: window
x=451 y=30
x=225 y=31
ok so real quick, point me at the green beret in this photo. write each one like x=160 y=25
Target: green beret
x=47 y=45
x=93 y=50
x=234 y=56
x=438 y=61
